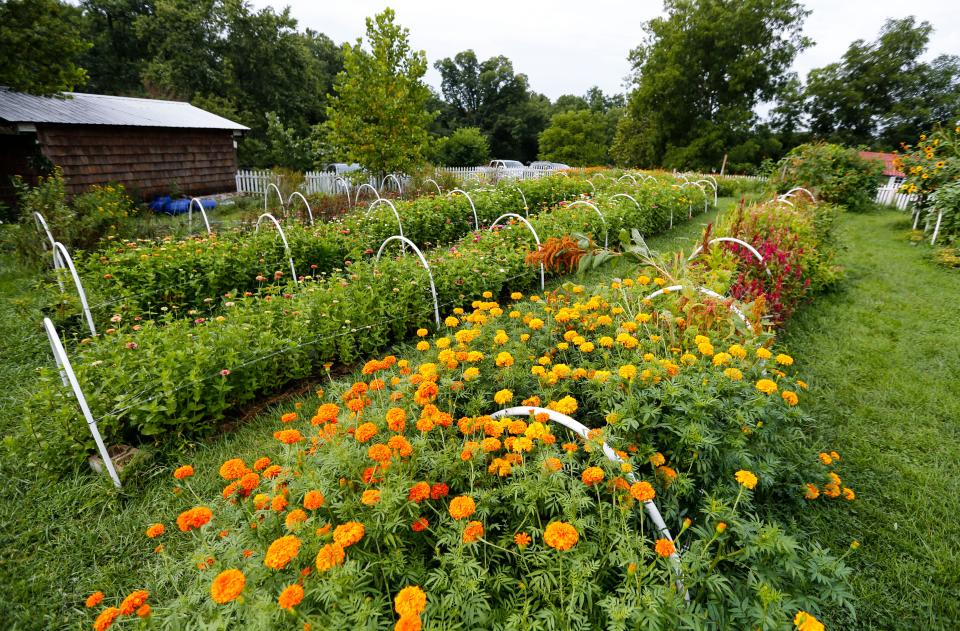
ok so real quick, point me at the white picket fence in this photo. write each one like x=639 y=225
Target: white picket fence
x=889 y=195
x=256 y=181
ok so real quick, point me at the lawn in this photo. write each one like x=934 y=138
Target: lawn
x=883 y=357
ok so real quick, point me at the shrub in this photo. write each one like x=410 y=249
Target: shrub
x=465 y=147
x=933 y=174
x=834 y=173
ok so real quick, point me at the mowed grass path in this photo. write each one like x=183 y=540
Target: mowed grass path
x=883 y=360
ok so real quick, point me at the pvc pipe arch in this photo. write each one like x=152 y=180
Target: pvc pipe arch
x=532 y=231
x=286 y=246
x=305 y=203
x=423 y=259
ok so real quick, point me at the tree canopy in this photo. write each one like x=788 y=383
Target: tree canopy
x=41 y=46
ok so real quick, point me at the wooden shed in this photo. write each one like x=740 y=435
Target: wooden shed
x=150 y=146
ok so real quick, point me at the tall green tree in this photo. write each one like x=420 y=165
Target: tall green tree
x=491 y=96
x=699 y=74
x=377 y=115
x=466 y=147
x=576 y=137
x=117 y=57
x=40 y=46
x=881 y=93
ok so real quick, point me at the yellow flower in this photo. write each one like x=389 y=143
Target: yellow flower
x=423 y=345
x=806 y=622
x=766 y=386
x=733 y=373
x=410 y=601
x=763 y=353
x=628 y=372
x=536 y=324
x=790 y=397
x=746 y=479
x=784 y=360
x=502 y=397
x=451 y=321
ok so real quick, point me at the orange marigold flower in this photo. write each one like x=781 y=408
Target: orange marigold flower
x=804 y=621
x=472 y=532
x=462 y=507
x=183 y=472
x=143 y=611
x=420 y=525
x=278 y=503
x=812 y=492
x=370 y=497
x=396 y=419
x=553 y=464
x=288 y=436
x=668 y=473
x=294 y=519
x=426 y=393
x=156 y=530
x=289 y=417
x=272 y=471
x=291 y=596
x=592 y=475
x=133 y=602
x=330 y=556
x=261 y=463
x=94 y=599
x=419 y=492
x=410 y=601
x=642 y=491
x=326 y=413
x=379 y=452
x=408 y=623
x=746 y=479
x=848 y=494
x=522 y=540
x=657 y=459
x=665 y=547
x=349 y=533
x=365 y=432
x=400 y=445
x=227 y=586
x=105 y=619
x=569 y=447
x=194 y=518
x=790 y=397
x=233 y=469
x=438 y=491
x=560 y=535
x=281 y=552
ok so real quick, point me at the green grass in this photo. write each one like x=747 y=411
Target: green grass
x=60 y=542
x=883 y=359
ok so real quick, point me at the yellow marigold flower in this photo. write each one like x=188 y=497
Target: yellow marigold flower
x=790 y=397
x=733 y=373
x=423 y=345
x=422 y=332
x=471 y=373
x=329 y=556
x=766 y=386
x=705 y=349
x=504 y=360
x=560 y=535
x=592 y=475
x=804 y=621
x=746 y=479
x=227 y=586
x=502 y=397
x=535 y=323
x=763 y=353
x=721 y=359
x=462 y=507
x=281 y=552
x=848 y=494
x=627 y=372
x=567 y=405
x=665 y=547
x=657 y=459
x=688 y=359
x=737 y=351
x=370 y=497
x=586 y=347
x=410 y=601
x=451 y=321
x=443 y=342
x=290 y=597
x=784 y=360
x=516 y=295
x=642 y=491
x=349 y=533
x=606 y=341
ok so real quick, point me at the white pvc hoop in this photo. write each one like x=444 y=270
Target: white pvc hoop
x=936 y=228
x=338 y=182
x=363 y=186
x=476 y=222
x=305 y=203
x=629 y=176
x=606 y=230
x=532 y=231
x=714 y=190
x=706 y=292
x=202 y=212
x=383 y=184
x=752 y=249
x=630 y=197
x=384 y=200
x=439 y=190
x=423 y=259
x=649 y=506
x=800 y=188
x=286 y=246
x=266 y=195
x=784 y=200
x=593 y=188
x=69 y=378
x=62 y=260
x=42 y=223
x=526 y=209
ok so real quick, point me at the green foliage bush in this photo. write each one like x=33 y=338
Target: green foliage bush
x=834 y=173
x=465 y=147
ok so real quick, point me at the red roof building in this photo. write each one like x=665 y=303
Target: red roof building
x=887 y=158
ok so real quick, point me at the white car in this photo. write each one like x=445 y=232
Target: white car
x=506 y=168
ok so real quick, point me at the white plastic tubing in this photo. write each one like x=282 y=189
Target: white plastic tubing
x=532 y=231
x=706 y=292
x=305 y=203
x=752 y=249
x=476 y=221
x=194 y=200
x=423 y=259
x=70 y=379
x=581 y=430
x=286 y=246
x=62 y=260
x=606 y=230
x=384 y=200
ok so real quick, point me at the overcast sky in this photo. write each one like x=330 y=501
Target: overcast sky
x=567 y=46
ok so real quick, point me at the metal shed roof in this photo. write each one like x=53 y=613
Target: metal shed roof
x=99 y=109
